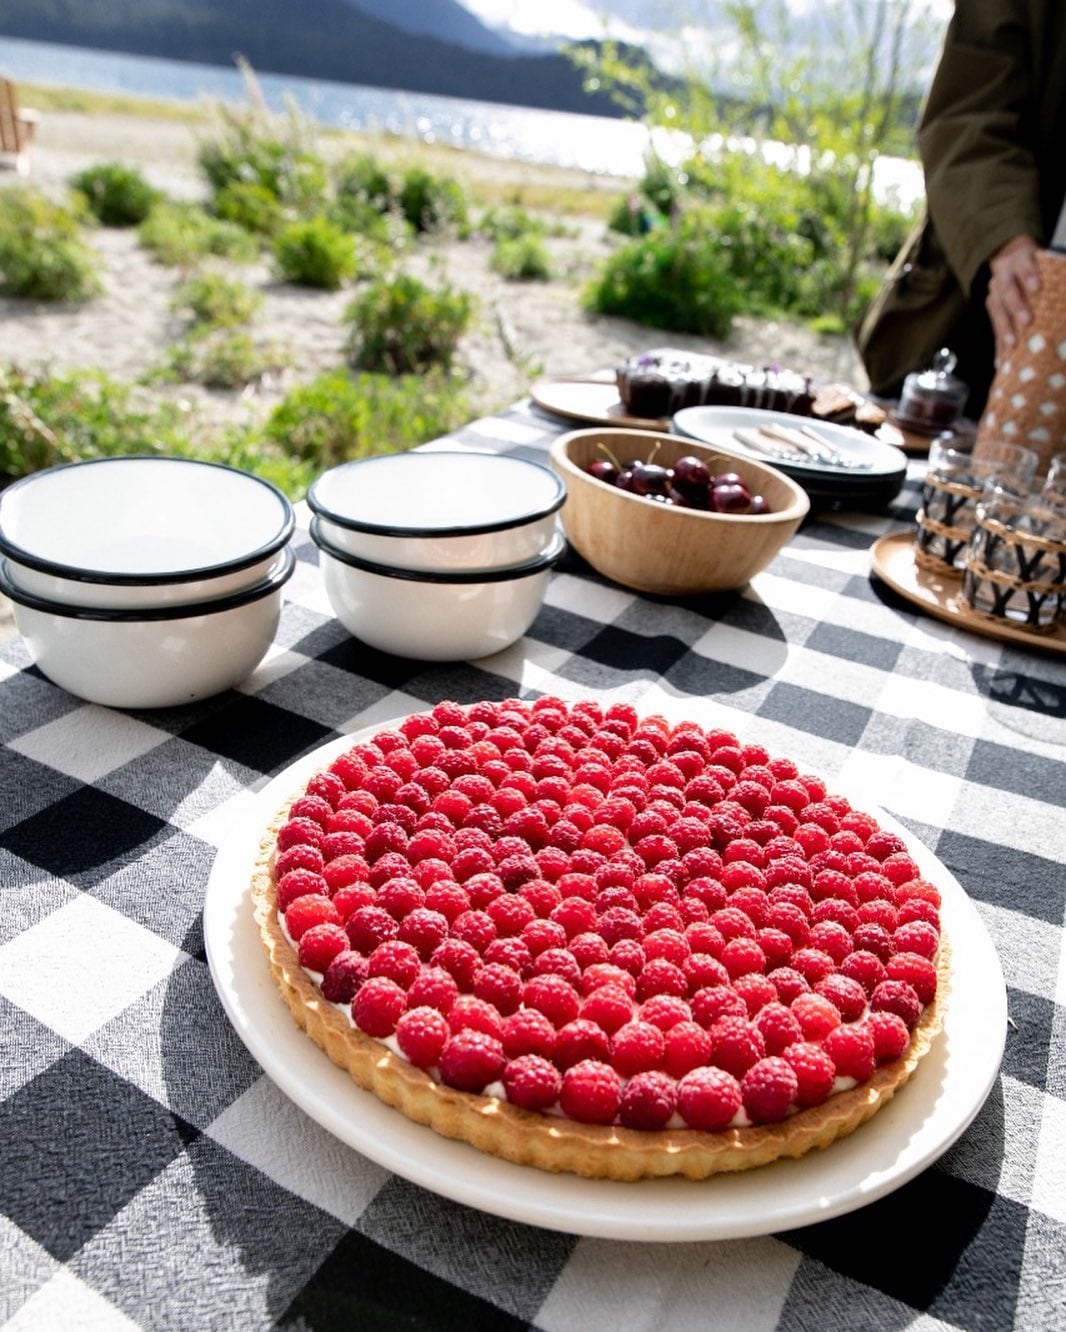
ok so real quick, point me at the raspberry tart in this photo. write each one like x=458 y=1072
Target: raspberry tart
x=590 y=941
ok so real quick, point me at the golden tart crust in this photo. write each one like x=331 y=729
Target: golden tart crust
x=551 y=1142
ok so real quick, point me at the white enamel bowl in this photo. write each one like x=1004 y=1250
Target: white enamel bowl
x=439 y=510
x=151 y=657
x=451 y=615
x=133 y=532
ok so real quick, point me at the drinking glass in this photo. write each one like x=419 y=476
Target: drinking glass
x=954 y=481
x=1054 y=491
x=1016 y=559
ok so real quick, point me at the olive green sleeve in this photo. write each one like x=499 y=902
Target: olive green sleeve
x=975 y=135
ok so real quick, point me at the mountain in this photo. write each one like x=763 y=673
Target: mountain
x=317 y=39
x=446 y=20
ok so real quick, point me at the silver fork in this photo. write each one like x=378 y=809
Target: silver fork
x=804 y=444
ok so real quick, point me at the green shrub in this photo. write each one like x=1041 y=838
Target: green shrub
x=220 y=358
x=273 y=156
x=360 y=177
x=48 y=418
x=675 y=278
x=430 y=202
x=217 y=301
x=521 y=259
x=42 y=255
x=340 y=416
x=117 y=195
x=401 y=326
x=247 y=204
x=183 y=233
x=510 y=224
x=316 y=253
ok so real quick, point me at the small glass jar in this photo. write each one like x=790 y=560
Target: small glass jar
x=932 y=400
x=1015 y=567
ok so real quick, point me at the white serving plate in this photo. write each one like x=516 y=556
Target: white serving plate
x=912 y=1131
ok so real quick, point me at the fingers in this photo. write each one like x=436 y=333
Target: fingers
x=1015 y=281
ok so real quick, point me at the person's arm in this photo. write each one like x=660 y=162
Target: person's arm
x=1015 y=280
x=975 y=141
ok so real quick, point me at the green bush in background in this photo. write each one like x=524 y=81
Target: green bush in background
x=316 y=253
x=398 y=325
x=181 y=234
x=431 y=202
x=521 y=258
x=117 y=195
x=216 y=301
x=42 y=254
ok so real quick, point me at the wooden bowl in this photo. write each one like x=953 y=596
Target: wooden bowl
x=661 y=548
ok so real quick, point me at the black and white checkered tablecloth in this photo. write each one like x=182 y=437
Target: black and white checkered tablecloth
x=150 y=1173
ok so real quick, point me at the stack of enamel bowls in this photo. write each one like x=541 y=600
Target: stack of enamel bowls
x=437 y=555
x=145 y=582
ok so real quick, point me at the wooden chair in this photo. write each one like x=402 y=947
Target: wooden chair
x=18 y=127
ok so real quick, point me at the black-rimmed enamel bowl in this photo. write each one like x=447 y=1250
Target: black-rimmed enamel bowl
x=141 y=531
x=442 y=615
x=433 y=510
x=151 y=657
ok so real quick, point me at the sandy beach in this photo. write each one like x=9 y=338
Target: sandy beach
x=521 y=330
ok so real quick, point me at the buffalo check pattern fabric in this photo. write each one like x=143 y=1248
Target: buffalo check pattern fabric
x=152 y=1176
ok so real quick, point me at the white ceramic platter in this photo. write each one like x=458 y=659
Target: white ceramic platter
x=913 y=1130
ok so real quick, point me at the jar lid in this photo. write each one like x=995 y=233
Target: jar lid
x=939 y=380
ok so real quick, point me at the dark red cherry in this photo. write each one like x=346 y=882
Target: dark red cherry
x=603 y=470
x=650 y=478
x=691 y=474
x=731 y=498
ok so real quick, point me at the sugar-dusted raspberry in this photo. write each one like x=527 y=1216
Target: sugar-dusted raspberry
x=433 y=987
x=343 y=977
x=688 y=1046
x=591 y=1092
x=648 y=1101
x=421 y=1034
x=708 y=1099
x=768 y=1089
x=756 y=990
x=578 y=1040
x=460 y=959
x=395 y=959
x=899 y=997
x=609 y=1006
x=303 y=913
x=637 y=1046
x=320 y=944
x=714 y=1002
x=299 y=830
x=916 y=936
x=917 y=971
x=300 y=883
x=846 y=995
x=890 y=1035
x=815 y=1072
x=553 y=996
x=851 y=1048
x=779 y=1026
x=471 y=1060
x=812 y=964
x=816 y=1015
x=736 y=1044
x=377 y=1006
x=532 y=1082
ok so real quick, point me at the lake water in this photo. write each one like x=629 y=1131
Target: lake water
x=597 y=144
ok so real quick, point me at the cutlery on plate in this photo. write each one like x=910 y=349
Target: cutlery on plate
x=790 y=444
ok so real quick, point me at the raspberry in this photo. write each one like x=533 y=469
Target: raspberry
x=665 y=1011
x=917 y=971
x=320 y=944
x=788 y=983
x=475 y=928
x=777 y=947
x=369 y=926
x=779 y=1026
x=300 y=856
x=812 y=964
x=688 y=1046
x=460 y=959
x=433 y=987
x=424 y=930
x=578 y=1040
x=867 y=968
x=421 y=1034
x=468 y=1012
x=378 y=1005
x=308 y=911
x=832 y=938
x=890 y=1035
x=741 y=956
x=716 y=1001
x=296 y=831
x=768 y=1088
x=636 y=1047
x=528 y=1032
x=661 y=977
x=591 y=1092
x=300 y=883
x=736 y=1044
x=816 y=1015
x=648 y=1101
x=589 y=950
x=471 y=1060
x=395 y=959
x=847 y=996
x=553 y=996
x=531 y=1082
x=756 y=990
x=916 y=936
x=609 y=1006
x=851 y=1048
x=344 y=975
x=708 y=1099
x=815 y=1072
x=897 y=996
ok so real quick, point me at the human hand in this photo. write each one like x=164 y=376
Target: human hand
x=1015 y=280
